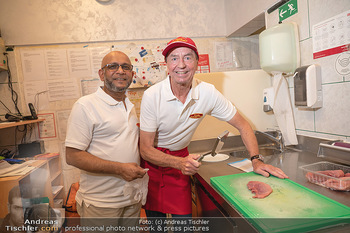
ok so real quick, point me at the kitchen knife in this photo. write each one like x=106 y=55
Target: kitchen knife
x=219 y=143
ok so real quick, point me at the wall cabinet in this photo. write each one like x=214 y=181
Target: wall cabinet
x=244 y=17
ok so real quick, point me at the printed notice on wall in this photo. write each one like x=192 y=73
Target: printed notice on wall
x=47 y=128
x=89 y=86
x=62 y=89
x=56 y=63
x=203 y=64
x=79 y=62
x=96 y=56
x=36 y=93
x=331 y=36
x=33 y=65
x=62 y=118
x=223 y=52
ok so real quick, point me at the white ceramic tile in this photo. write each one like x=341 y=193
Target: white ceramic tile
x=306 y=57
x=333 y=117
x=321 y=10
x=332 y=120
x=303 y=118
x=329 y=73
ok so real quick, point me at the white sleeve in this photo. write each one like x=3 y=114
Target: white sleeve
x=148 y=113
x=223 y=109
x=79 y=128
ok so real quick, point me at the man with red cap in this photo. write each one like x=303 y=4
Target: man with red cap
x=170 y=113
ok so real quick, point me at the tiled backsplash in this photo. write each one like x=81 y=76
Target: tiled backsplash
x=332 y=121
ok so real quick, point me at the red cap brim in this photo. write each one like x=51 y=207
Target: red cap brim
x=178 y=44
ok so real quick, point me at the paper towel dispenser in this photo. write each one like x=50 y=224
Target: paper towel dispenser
x=279 y=48
x=308 y=86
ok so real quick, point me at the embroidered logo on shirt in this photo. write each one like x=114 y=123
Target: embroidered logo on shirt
x=196 y=115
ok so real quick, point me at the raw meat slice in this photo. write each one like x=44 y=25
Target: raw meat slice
x=260 y=189
x=315 y=177
x=347 y=175
x=333 y=173
x=341 y=184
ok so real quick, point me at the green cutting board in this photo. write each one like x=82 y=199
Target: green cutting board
x=289 y=208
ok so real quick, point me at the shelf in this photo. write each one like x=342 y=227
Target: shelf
x=5 y=125
x=54 y=176
x=56 y=190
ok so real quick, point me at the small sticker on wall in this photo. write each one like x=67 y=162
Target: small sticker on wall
x=342 y=63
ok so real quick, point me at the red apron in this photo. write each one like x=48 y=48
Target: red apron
x=169 y=191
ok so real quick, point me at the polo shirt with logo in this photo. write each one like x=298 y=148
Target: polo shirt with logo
x=174 y=122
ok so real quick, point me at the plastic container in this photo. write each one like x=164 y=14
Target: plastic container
x=313 y=173
x=279 y=48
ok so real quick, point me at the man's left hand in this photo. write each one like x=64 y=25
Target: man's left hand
x=267 y=169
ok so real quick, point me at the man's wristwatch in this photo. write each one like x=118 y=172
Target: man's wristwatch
x=259 y=157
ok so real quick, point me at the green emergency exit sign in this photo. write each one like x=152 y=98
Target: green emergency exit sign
x=287 y=10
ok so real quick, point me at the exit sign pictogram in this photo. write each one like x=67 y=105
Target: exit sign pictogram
x=288 y=9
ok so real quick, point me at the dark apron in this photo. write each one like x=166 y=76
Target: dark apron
x=169 y=191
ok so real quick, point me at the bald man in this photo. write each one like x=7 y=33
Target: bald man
x=102 y=141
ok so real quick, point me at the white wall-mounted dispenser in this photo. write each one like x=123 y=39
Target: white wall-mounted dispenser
x=279 y=48
x=269 y=99
x=308 y=87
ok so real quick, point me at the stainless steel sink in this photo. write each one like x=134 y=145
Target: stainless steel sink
x=263 y=150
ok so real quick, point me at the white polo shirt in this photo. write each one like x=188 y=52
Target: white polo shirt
x=103 y=127
x=175 y=122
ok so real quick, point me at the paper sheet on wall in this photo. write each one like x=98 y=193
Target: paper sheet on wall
x=36 y=92
x=203 y=64
x=223 y=52
x=56 y=63
x=79 y=62
x=89 y=86
x=62 y=118
x=47 y=128
x=283 y=110
x=63 y=89
x=96 y=56
x=33 y=65
x=331 y=36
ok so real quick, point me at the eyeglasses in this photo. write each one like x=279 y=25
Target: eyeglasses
x=115 y=67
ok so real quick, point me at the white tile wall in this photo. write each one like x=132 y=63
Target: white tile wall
x=332 y=121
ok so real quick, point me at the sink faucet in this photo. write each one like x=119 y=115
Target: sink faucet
x=278 y=139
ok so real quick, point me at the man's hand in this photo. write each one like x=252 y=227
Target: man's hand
x=131 y=171
x=266 y=169
x=189 y=165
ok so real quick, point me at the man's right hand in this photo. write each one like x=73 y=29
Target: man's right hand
x=189 y=165
x=131 y=171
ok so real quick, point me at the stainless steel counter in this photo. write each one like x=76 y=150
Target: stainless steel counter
x=289 y=161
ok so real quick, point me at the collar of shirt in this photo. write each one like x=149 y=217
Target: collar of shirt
x=168 y=93
x=107 y=98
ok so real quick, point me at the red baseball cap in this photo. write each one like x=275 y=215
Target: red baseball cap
x=180 y=42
